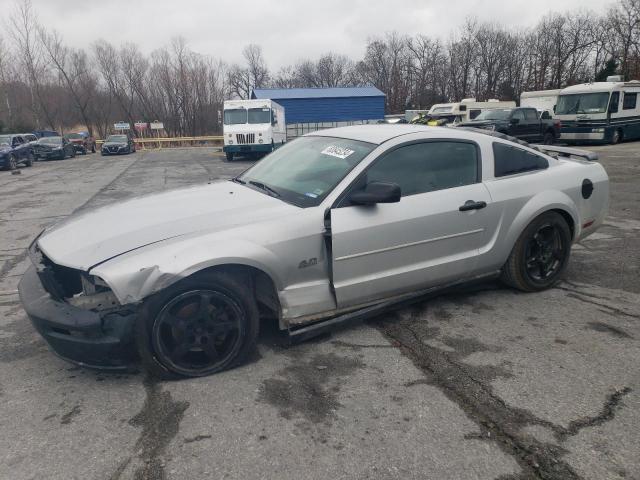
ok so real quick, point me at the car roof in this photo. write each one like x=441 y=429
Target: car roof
x=381 y=133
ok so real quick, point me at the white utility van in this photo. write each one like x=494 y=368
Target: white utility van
x=468 y=108
x=601 y=112
x=252 y=127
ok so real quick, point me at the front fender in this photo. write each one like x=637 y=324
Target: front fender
x=136 y=275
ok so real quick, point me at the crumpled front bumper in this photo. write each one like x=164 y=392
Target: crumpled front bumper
x=84 y=337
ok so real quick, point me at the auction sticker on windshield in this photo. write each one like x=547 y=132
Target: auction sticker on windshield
x=339 y=152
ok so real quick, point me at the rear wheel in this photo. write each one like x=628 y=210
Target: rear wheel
x=548 y=138
x=202 y=325
x=229 y=156
x=540 y=255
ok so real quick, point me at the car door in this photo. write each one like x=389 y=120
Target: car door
x=424 y=240
x=18 y=148
x=518 y=127
x=534 y=132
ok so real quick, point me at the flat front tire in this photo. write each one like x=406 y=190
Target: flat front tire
x=200 y=326
x=540 y=254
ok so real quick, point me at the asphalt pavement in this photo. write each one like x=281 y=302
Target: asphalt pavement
x=479 y=383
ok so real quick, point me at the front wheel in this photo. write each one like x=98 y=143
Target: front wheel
x=13 y=164
x=617 y=137
x=540 y=255
x=202 y=325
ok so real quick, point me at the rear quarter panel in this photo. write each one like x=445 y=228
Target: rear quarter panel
x=521 y=198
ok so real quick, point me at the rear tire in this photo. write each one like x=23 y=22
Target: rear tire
x=200 y=326
x=548 y=138
x=540 y=255
x=229 y=156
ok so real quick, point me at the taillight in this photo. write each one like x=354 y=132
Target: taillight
x=559 y=124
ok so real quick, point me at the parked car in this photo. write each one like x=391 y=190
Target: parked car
x=45 y=133
x=523 y=123
x=335 y=224
x=54 y=148
x=14 y=151
x=118 y=144
x=82 y=142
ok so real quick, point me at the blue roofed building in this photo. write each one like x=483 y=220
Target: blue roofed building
x=310 y=109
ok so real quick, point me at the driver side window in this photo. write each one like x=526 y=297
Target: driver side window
x=518 y=114
x=426 y=167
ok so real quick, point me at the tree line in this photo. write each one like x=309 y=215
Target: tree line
x=47 y=84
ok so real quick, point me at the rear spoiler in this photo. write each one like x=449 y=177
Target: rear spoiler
x=567 y=152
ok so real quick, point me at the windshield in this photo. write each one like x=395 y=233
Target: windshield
x=5 y=140
x=74 y=136
x=305 y=170
x=493 y=115
x=582 y=103
x=50 y=140
x=259 y=115
x=235 y=116
x=116 y=138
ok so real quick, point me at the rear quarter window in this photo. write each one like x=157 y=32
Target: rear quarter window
x=511 y=160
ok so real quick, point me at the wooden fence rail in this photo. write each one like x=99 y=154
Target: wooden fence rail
x=154 y=143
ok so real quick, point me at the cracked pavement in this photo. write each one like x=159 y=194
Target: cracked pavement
x=480 y=382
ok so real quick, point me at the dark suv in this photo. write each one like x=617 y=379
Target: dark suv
x=15 y=150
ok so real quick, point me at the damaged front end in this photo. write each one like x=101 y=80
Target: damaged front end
x=77 y=314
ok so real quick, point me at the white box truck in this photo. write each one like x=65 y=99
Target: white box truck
x=252 y=127
x=541 y=100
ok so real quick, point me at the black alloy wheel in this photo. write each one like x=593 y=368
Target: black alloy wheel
x=544 y=253
x=198 y=332
x=540 y=255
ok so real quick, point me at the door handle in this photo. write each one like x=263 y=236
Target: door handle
x=472 y=205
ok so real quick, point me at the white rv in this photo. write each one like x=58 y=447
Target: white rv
x=467 y=109
x=602 y=112
x=252 y=127
x=541 y=100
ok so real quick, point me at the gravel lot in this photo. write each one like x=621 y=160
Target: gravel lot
x=481 y=383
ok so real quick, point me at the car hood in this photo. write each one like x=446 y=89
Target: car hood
x=88 y=239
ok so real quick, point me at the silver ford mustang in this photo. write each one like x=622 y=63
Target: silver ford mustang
x=334 y=225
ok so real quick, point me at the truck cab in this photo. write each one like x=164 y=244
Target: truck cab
x=252 y=127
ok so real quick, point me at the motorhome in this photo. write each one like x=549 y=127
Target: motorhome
x=599 y=112
x=541 y=100
x=468 y=108
x=252 y=127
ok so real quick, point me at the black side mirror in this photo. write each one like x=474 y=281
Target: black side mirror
x=514 y=121
x=377 y=192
